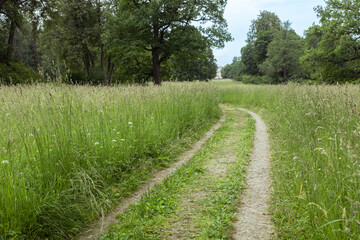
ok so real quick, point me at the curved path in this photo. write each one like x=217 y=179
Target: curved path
x=253 y=216
x=100 y=227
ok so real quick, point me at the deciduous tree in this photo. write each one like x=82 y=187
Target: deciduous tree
x=161 y=28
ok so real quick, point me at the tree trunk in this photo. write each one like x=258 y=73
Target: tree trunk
x=86 y=59
x=285 y=73
x=156 y=67
x=102 y=58
x=110 y=74
x=11 y=42
x=110 y=71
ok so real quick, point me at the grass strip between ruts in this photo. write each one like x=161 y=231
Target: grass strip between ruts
x=148 y=218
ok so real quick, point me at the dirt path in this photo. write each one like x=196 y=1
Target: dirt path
x=98 y=228
x=253 y=217
x=197 y=198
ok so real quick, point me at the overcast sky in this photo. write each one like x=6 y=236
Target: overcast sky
x=239 y=14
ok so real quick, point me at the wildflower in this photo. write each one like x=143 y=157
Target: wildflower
x=339 y=158
x=114 y=140
x=118 y=133
x=97 y=143
x=122 y=140
x=5 y=162
x=130 y=123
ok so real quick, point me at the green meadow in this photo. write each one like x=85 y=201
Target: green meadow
x=68 y=153
x=315 y=137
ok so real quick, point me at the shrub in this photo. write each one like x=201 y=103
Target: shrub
x=15 y=73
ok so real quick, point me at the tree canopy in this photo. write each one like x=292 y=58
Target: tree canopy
x=105 y=41
x=157 y=30
x=333 y=47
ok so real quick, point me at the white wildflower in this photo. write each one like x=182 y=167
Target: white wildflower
x=114 y=140
x=122 y=140
x=5 y=162
x=130 y=123
x=97 y=143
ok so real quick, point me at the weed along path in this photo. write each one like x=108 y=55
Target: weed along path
x=100 y=227
x=253 y=216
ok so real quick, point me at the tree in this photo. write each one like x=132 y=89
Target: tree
x=234 y=70
x=225 y=71
x=283 y=55
x=248 y=59
x=162 y=28
x=74 y=38
x=333 y=47
x=14 y=14
x=199 y=65
x=262 y=31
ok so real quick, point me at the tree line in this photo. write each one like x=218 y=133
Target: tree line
x=329 y=52
x=110 y=41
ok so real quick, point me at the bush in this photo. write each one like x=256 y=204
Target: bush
x=95 y=77
x=17 y=73
x=248 y=79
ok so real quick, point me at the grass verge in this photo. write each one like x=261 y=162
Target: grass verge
x=315 y=136
x=195 y=202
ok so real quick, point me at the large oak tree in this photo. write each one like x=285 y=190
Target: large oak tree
x=161 y=27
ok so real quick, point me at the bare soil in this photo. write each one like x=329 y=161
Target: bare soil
x=97 y=229
x=253 y=216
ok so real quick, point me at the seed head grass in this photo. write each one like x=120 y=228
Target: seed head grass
x=315 y=137
x=68 y=153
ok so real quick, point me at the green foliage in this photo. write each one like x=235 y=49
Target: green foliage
x=162 y=29
x=199 y=65
x=248 y=59
x=17 y=73
x=253 y=79
x=283 y=56
x=73 y=35
x=233 y=70
x=333 y=47
x=262 y=31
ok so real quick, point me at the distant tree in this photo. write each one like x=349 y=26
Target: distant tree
x=74 y=36
x=262 y=31
x=333 y=47
x=248 y=59
x=283 y=55
x=234 y=70
x=200 y=65
x=161 y=29
x=14 y=15
x=225 y=71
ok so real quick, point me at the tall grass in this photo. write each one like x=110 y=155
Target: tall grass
x=67 y=153
x=315 y=156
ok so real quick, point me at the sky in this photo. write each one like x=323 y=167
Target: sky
x=240 y=13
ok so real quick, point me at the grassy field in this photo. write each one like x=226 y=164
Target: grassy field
x=67 y=153
x=315 y=137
